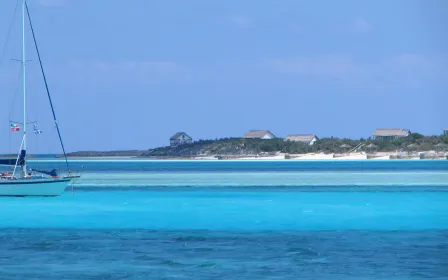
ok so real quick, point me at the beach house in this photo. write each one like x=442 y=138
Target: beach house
x=390 y=133
x=259 y=134
x=180 y=138
x=304 y=138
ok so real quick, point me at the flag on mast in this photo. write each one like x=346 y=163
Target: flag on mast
x=15 y=127
x=37 y=131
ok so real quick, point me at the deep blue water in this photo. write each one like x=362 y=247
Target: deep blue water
x=146 y=254
x=234 y=220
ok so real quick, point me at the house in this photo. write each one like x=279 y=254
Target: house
x=304 y=138
x=259 y=134
x=390 y=133
x=180 y=138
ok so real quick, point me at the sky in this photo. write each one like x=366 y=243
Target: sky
x=130 y=74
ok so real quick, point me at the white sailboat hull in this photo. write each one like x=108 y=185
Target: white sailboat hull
x=33 y=187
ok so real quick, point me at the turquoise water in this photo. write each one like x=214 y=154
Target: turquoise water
x=218 y=209
x=147 y=173
x=233 y=220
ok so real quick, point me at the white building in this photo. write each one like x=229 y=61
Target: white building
x=304 y=138
x=180 y=138
x=259 y=134
x=390 y=133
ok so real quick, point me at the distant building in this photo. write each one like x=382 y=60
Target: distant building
x=180 y=138
x=390 y=133
x=304 y=138
x=445 y=132
x=259 y=134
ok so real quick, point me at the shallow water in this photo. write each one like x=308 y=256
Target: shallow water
x=153 y=173
x=233 y=220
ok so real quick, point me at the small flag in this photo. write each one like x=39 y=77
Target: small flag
x=37 y=131
x=15 y=127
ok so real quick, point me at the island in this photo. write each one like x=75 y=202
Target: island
x=412 y=146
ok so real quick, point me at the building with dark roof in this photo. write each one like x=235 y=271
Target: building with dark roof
x=180 y=138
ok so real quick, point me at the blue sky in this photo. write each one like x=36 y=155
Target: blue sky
x=129 y=74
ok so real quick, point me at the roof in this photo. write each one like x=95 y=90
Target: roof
x=177 y=135
x=301 y=137
x=257 y=133
x=391 y=132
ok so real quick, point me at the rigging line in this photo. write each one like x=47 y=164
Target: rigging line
x=9 y=32
x=46 y=86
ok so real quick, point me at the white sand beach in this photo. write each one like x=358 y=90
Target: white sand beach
x=322 y=156
x=428 y=155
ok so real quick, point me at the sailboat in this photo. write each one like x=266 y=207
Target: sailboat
x=30 y=182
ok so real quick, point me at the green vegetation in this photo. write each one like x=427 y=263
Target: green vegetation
x=241 y=147
x=414 y=142
x=247 y=147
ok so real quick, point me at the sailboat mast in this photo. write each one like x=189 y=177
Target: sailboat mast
x=24 y=80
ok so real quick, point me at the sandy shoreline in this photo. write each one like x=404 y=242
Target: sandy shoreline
x=350 y=156
x=289 y=157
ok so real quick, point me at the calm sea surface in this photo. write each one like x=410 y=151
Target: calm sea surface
x=137 y=219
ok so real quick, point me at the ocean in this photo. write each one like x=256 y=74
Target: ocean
x=141 y=219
